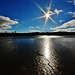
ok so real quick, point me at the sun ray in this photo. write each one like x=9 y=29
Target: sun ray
x=39 y=17
x=50 y=6
x=45 y=21
x=47 y=14
x=40 y=7
x=52 y=14
x=52 y=20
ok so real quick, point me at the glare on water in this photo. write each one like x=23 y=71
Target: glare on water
x=41 y=55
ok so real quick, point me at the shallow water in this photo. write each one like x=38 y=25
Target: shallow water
x=37 y=55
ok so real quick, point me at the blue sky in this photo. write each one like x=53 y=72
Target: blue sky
x=22 y=15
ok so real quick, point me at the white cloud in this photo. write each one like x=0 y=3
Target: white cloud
x=6 y=22
x=70 y=12
x=49 y=11
x=34 y=30
x=16 y=19
x=71 y=1
x=57 y=11
x=67 y=30
x=73 y=13
x=31 y=27
x=34 y=27
x=37 y=27
x=61 y=20
x=65 y=25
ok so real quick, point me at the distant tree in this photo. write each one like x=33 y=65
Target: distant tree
x=5 y=31
x=12 y=32
x=15 y=31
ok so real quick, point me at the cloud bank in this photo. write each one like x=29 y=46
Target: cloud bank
x=6 y=22
x=67 y=30
x=65 y=27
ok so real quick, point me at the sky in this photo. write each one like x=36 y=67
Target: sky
x=24 y=16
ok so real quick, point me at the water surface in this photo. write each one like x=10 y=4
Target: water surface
x=37 y=55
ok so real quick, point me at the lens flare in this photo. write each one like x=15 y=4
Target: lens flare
x=47 y=14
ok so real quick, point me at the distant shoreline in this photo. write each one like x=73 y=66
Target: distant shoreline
x=37 y=33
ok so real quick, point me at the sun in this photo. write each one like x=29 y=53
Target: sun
x=47 y=14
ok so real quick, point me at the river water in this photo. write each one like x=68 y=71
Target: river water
x=37 y=55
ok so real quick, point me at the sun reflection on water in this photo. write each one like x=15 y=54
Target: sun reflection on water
x=47 y=56
x=47 y=48
x=51 y=36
